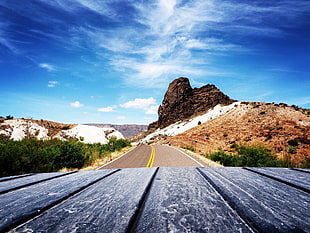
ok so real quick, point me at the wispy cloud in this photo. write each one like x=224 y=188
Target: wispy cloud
x=171 y=34
x=47 y=66
x=163 y=36
x=52 y=83
x=76 y=104
x=9 y=45
x=5 y=40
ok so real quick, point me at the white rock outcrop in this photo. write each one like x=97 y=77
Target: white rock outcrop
x=17 y=129
x=90 y=134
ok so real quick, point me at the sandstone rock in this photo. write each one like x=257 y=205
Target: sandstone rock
x=181 y=101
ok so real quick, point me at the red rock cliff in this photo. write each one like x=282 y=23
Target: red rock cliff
x=181 y=101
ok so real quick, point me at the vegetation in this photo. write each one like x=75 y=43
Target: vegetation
x=189 y=148
x=31 y=155
x=293 y=142
x=249 y=156
x=9 y=117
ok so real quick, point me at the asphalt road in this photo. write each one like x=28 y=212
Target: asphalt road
x=153 y=156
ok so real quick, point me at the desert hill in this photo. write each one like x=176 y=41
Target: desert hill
x=283 y=129
x=223 y=123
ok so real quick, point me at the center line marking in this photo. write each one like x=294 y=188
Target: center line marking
x=152 y=158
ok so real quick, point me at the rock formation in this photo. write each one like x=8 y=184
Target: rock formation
x=181 y=101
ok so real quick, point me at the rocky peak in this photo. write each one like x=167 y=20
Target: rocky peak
x=181 y=101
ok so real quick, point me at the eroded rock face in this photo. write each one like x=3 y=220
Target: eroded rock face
x=181 y=101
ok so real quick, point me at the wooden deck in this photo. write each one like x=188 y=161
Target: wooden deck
x=158 y=200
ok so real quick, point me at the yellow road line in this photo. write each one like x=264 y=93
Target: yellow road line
x=152 y=158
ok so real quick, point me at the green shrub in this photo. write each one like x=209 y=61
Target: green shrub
x=256 y=156
x=118 y=144
x=293 y=142
x=292 y=150
x=306 y=163
x=224 y=159
x=9 y=117
x=32 y=155
x=247 y=156
x=189 y=148
x=71 y=155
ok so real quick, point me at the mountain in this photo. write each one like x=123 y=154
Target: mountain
x=219 y=123
x=128 y=130
x=181 y=101
x=18 y=129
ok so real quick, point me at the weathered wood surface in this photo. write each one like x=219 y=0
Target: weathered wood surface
x=158 y=200
x=264 y=203
x=295 y=178
x=13 y=184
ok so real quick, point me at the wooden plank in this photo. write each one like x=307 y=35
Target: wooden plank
x=297 y=179
x=21 y=205
x=10 y=185
x=107 y=206
x=267 y=205
x=301 y=169
x=180 y=200
x=14 y=177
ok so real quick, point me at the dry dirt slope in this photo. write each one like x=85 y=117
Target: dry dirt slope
x=283 y=129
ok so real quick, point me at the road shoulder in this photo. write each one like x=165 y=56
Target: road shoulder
x=203 y=160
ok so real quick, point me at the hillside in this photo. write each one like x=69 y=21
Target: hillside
x=281 y=128
x=18 y=129
x=211 y=122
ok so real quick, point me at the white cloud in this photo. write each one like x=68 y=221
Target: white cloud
x=76 y=104
x=120 y=117
x=149 y=105
x=107 y=109
x=139 y=103
x=47 y=66
x=52 y=83
x=152 y=110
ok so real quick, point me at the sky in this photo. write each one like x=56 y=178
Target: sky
x=109 y=61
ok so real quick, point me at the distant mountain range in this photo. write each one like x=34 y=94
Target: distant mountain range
x=128 y=130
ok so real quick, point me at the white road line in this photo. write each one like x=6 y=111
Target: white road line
x=200 y=164
x=114 y=159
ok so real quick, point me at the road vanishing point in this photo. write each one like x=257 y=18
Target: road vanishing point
x=154 y=156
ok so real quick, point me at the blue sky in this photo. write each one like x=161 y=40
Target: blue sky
x=91 y=61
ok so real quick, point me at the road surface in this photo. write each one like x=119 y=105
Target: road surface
x=153 y=156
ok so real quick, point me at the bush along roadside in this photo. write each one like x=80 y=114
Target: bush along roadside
x=31 y=155
x=249 y=156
